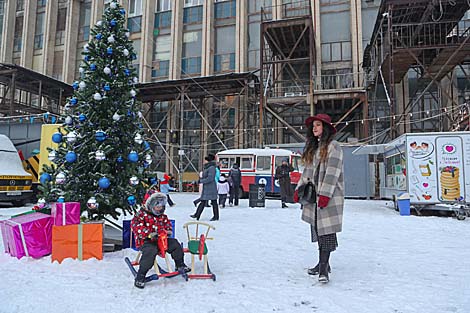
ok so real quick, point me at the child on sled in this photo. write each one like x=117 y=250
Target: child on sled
x=148 y=224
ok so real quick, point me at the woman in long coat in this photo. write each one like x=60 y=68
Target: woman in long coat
x=323 y=159
x=209 y=189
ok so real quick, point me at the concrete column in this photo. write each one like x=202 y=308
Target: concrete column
x=315 y=6
x=177 y=7
x=277 y=9
x=207 y=55
x=97 y=10
x=241 y=34
x=356 y=39
x=29 y=25
x=49 y=36
x=6 y=50
x=71 y=31
x=147 y=41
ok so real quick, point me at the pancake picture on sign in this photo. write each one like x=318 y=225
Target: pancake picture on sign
x=450 y=184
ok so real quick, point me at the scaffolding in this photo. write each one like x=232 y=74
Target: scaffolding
x=411 y=61
x=23 y=92
x=188 y=118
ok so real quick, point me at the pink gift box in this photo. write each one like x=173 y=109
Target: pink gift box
x=66 y=213
x=28 y=235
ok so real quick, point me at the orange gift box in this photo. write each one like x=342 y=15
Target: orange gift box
x=80 y=241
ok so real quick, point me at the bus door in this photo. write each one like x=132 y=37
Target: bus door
x=264 y=172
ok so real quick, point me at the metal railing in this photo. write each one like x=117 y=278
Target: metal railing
x=435 y=34
x=287 y=10
x=288 y=88
x=339 y=81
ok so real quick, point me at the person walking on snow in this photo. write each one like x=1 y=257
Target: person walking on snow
x=223 y=189
x=283 y=175
x=209 y=189
x=147 y=225
x=165 y=188
x=323 y=160
x=235 y=176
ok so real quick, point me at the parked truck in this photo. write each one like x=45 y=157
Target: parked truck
x=15 y=182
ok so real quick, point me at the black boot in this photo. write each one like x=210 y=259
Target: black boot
x=139 y=281
x=284 y=205
x=323 y=267
x=315 y=270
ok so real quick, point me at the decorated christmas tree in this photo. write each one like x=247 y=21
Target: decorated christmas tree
x=102 y=156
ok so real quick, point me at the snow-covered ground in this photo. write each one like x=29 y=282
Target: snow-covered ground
x=384 y=263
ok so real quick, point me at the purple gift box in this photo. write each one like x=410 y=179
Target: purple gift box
x=66 y=213
x=28 y=235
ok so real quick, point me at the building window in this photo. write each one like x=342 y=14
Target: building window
x=84 y=22
x=191 y=65
x=192 y=3
x=19 y=5
x=192 y=15
x=163 y=5
x=135 y=8
x=224 y=62
x=39 y=32
x=134 y=24
x=160 y=68
x=163 y=19
x=42 y=3
x=224 y=50
x=60 y=27
x=17 y=38
x=225 y=9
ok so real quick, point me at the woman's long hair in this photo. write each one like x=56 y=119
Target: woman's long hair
x=313 y=143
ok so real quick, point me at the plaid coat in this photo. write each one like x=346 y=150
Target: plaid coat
x=330 y=184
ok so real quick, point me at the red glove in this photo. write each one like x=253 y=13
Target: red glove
x=296 y=196
x=323 y=201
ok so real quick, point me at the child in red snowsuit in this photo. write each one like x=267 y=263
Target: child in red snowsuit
x=146 y=225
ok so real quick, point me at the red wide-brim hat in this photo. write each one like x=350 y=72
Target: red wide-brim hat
x=325 y=118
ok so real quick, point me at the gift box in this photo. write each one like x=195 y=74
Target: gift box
x=128 y=240
x=79 y=241
x=27 y=235
x=66 y=213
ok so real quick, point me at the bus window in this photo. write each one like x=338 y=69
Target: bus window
x=246 y=163
x=224 y=163
x=279 y=160
x=263 y=163
x=296 y=163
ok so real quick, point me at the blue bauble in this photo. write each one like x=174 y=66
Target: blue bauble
x=120 y=159
x=82 y=117
x=92 y=67
x=109 y=51
x=153 y=180
x=104 y=182
x=87 y=58
x=61 y=199
x=131 y=200
x=133 y=157
x=134 y=56
x=113 y=22
x=107 y=87
x=45 y=178
x=71 y=157
x=75 y=85
x=98 y=36
x=127 y=72
x=122 y=11
x=100 y=136
x=146 y=145
x=73 y=101
x=57 y=137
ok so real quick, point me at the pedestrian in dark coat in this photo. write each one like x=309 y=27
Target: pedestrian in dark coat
x=235 y=179
x=323 y=160
x=209 y=189
x=283 y=175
